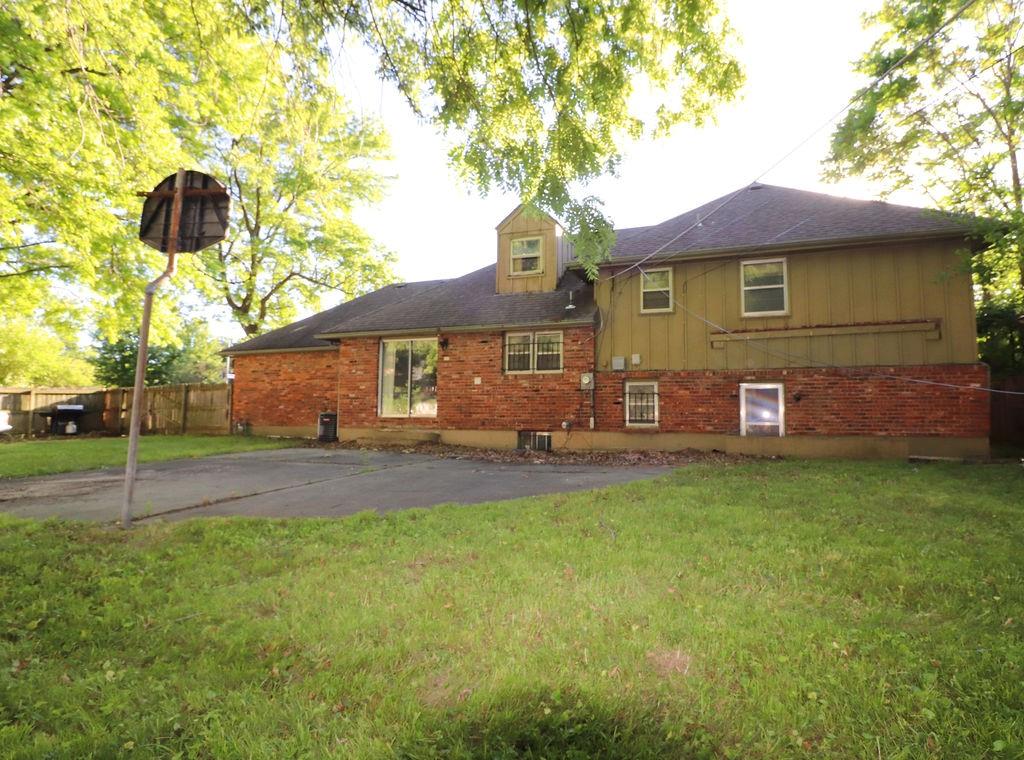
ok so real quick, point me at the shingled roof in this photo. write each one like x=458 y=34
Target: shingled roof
x=467 y=301
x=768 y=216
x=470 y=301
x=302 y=334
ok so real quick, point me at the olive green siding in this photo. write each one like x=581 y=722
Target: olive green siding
x=907 y=303
x=555 y=252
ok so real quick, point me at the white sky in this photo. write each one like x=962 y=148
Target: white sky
x=797 y=55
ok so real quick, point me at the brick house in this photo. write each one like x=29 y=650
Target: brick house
x=782 y=322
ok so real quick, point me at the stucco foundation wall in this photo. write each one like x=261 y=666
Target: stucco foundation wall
x=868 y=401
x=282 y=393
x=807 y=447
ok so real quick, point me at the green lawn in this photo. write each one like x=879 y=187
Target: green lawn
x=757 y=610
x=71 y=454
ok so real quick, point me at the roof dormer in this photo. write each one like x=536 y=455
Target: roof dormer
x=532 y=252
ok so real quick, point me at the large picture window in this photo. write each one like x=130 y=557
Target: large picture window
x=764 y=287
x=762 y=409
x=408 y=378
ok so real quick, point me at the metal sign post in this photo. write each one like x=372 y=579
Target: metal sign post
x=205 y=209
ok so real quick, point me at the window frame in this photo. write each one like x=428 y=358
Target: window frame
x=512 y=257
x=785 y=287
x=380 y=379
x=671 y=282
x=625 y=404
x=781 y=388
x=533 y=352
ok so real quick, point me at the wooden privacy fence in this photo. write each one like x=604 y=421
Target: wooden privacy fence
x=1008 y=411
x=187 y=408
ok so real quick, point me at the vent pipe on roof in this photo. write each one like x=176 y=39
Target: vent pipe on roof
x=570 y=305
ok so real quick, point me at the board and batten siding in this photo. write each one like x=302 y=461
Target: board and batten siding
x=906 y=303
x=556 y=252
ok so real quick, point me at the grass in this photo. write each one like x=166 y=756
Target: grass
x=757 y=610
x=25 y=458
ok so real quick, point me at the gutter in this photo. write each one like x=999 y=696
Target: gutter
x=295 y=349
x=455 y=328
x=810 y=245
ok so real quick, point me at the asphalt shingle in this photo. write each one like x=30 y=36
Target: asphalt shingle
x=769 y=216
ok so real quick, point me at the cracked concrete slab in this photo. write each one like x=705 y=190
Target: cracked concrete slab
x=300 y=482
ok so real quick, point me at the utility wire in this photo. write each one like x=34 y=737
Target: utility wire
x=700 y=220
x=751 y=341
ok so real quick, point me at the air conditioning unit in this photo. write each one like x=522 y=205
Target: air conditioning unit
x=532 y=441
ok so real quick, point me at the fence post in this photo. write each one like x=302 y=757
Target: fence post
x=184 y=408
x=30 y=411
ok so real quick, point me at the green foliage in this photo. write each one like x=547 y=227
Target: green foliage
x=1001 y=336
x=31 y=354
x=28 y=458
x=755 y=610
x=295 y=180
x=949 y=121
x=103 y=99
x=194 y=359
x=537 y=98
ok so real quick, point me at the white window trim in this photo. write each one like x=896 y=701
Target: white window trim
x=657 y=405
x=785 y=288
x=505 y=348
x=561 y=353
x=763 y=386
x=533 y=353
x=539 y=256
x=380 y=377
x=643 y=281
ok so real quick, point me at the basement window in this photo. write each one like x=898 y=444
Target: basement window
x=762 y=409
x=641 y=404
x=538 y=352
x=408 y=378
x=764 y=288
x=526 y=256
x=655 y=290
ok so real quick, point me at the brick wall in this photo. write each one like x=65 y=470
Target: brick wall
x=832 y=401
x=290 y=389
x=500 y=402
x=287 y=389
x=509 y=401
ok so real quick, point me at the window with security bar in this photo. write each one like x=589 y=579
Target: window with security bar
x=641 y=402
x=533 y=352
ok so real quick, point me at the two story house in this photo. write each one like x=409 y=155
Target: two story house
x=769 y=321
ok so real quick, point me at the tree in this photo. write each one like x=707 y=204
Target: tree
x=34 y=355
x=105 y=98
x=538 y=98
x=296 y=167
x=949 y=120
x=193 y=359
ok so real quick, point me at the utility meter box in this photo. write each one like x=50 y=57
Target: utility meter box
x=586 y=381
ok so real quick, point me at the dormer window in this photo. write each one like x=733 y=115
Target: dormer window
x=526 y=256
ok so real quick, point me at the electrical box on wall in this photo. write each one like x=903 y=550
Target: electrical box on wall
x=636 y=360
x=586 y=381
x=618 y=363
